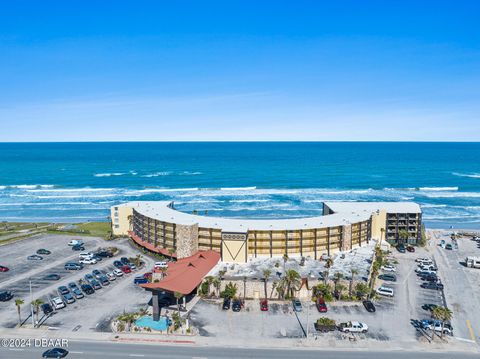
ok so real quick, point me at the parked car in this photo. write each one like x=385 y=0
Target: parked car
x=411 y=249
x=88 y=261
x=87 y=288
x=132 y=266
x=147 y=275
x=75 y=242
x=369 y=306
x=422 y=273
x=88 y=277
x=62 y=290
x=264 y=305
x=429 y=307
x=449 y=247
x=321 y=305
x=353 y=327
x=423 y=259
x=55 y=353
x=104 y=280
x=432 y=285
x=78 y=247
x=118 y=264
x=385 y=291
x=236 y=305
x=388 y=268
x=73 y=266
x=118 y=272
x=96 y=273
x=140 y=279
x=57 y=303
x=5 y=296
x=297 y=305
x=104 y=254
x=124 y=260
x=111 y=276
x=85 y=255
x=43 y=251
x=126 y=269
x=46 y=308
x=52 y=276
x=160 y=265
x=226 y=304
x=96 y=284
x=401 y=248
x=77 y=293
x=68 y=298
x=35 y=257
x=447 y=328
x=429 y=278
x=388 y=277
x=4 y=269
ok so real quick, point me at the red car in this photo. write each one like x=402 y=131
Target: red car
x=264 y=305
x=147 y=275
x=4 y=269
x=321 y=305
x=126 y=269
x=410 y=249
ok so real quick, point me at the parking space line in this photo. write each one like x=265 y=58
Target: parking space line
x=470 y=329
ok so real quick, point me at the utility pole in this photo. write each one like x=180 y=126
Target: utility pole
x=31 y=301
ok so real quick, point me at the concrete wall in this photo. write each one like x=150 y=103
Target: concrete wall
x=120 y=219
x=379 y=221
x=346 y=244
x=187 y=240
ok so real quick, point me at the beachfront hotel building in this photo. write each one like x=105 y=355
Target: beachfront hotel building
x=159 y=227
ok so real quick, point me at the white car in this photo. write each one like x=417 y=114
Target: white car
x=75 y=242
x=118 y=272
x=88 y=261
x=85 y=255
x=111 y=276
x=385 y=291
x=57 y=303
x=425 y=260
x=388 y=268
x=160 y=265
x=354 y=327
x=422 y=267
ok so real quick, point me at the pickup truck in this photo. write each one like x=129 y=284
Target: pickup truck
x=353 y=327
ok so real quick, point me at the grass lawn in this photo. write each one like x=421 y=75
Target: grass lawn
x=100 y=229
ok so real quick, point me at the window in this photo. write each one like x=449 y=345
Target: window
x=117 y=226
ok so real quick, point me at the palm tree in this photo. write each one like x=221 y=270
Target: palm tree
x=171 y=251
x=19 y=303
x=266 y=275
x=403 y=235
x=129 y=318
x=293 y=281
x=353 y=272
x=216 y=284
x=328 y=262
x=244 y=288
x=130 y=222
x=340 y=289
x=178 y=295
x=443 y=314
x=336 y=279
x=36 y=304
x=285 y=259
x=209 y=280
x=325 y=276
x=163 y=271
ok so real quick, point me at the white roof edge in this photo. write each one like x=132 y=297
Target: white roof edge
x=344 y=213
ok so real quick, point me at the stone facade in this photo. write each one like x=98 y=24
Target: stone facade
x=187 y=240
x=346 y=244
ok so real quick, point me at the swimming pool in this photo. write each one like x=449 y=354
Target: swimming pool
x=148 y=322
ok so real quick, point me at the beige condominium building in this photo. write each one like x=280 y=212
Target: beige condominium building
x=343 y=225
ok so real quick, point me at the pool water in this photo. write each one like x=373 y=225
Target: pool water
x=148 y=322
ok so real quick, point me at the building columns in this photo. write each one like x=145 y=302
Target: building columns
x=155 y=306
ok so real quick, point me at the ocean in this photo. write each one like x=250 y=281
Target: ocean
x=78 y=182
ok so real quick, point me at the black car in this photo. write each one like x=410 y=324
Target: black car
x=46 y=308
x=87 y=289
x=43 y=251
x=429 y=307
x=118 y=264
x=96 y=273
x=104 y=280
x=226 y=304
x=124 y=260
x=55 y=353
x=51 y=277
x=236 y=305
x=369 y=306
x=78 y=247
x=105 y=254
x=5 y=296
x=388 y=277
x=97 y=257
x=429 y=278
x=401 y=248
x=432 y=285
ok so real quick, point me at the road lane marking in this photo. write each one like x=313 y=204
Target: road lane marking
x=470 y=329
x=136 y=355
x=76 y=352
x=17 y=349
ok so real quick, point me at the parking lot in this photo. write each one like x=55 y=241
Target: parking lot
x=391 y=321
x=89 y=313
x=462 y=289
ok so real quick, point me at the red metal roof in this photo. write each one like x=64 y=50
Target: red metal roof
x=186 y=274
x=150 y=246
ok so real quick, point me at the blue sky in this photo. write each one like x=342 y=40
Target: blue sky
x=239 y=70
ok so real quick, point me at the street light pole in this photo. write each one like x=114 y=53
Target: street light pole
x=31 y=303
x=308 y=317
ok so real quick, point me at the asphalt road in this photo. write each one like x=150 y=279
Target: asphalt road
x=93 y=350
